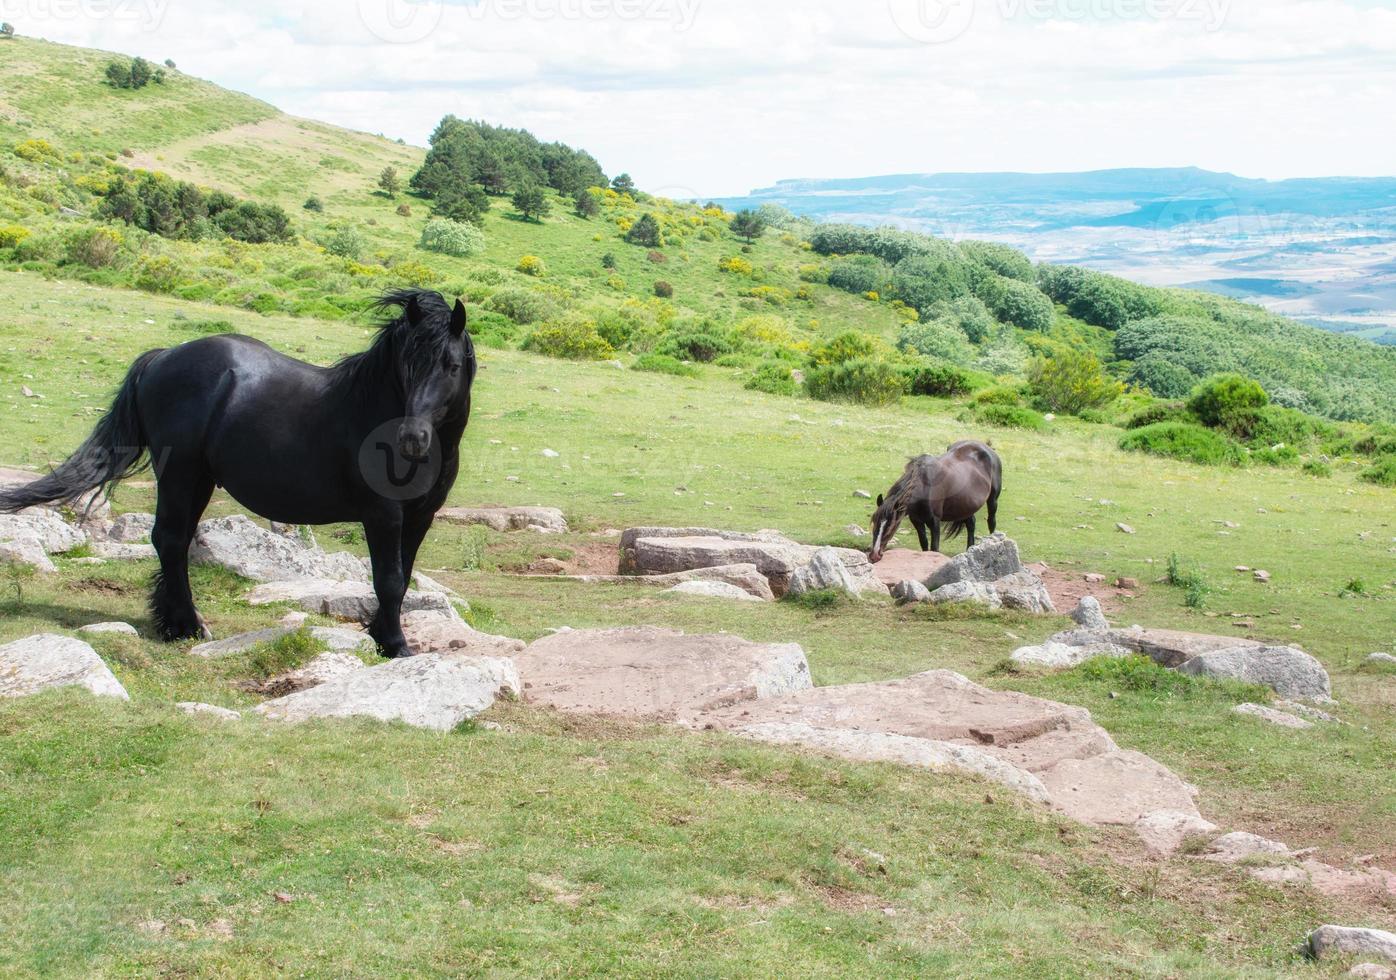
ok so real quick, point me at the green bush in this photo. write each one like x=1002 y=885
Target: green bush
x=523 y=306
x=664 y=364
x=967 y=314
x=701 y=345
x=456 y=238
x=863 y=381
x=1229 y=402
x=1160 y=412
x=1382 y=472
x=859 y=274
x=937 y=340
x=159 y=274
x=95 y=248
x=1162 y=375
x=849 y=346
x=1276 y=456
x=1185 y=441
x=572 y=336
x=1275 y=425
x=1019 y=303
x=1071 y=381
x=346 y=241
x=938 y=380
x=1002 y=259
x=774 y=378
x=1011 y=417
x=663 y=290
x=1317 y=467
x=12 y=235
x=923 y=281
x=313 y=204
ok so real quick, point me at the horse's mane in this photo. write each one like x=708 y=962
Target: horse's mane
x=916 y=478
x=417 y=347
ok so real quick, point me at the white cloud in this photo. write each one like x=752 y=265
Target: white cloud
x=718 y=96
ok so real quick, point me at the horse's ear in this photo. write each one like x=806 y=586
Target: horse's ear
x=458 y=319
x=879 y=500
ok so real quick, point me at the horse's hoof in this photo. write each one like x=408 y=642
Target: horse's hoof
x=204 y=632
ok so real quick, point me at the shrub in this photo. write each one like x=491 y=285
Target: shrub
x=532 y=265
x=863 y=381
x=1229 y=402
x=848 y=347
x=1000 y=395
x=1160 y=412
x=1382 y=472
x=1011 y=417
x=935 y=339
x=748 y=224
x=664 y=364
x=158 y=274
x=1019 y=303
x=457 y=238
x=530 y=201
x=12 y=235
x=1002 y=259
x=405 y=210
x=313 y=204
x=1162 y=375
x=644 y=232
x=938 y=380
x=1317 y=467
x=95 y=248
x=968 y=314
x=663 y=289
x=859 y=274
x=35 y=150
x=658 y=258
x=523 y=306
x=572 y=336
x=1182 y=440
x=703 y=345
x=346 y=241
x=922 y=281
x=608 y=261
x=1071 y=381
x=735 y=265
x=814 y=273
x=774 y=378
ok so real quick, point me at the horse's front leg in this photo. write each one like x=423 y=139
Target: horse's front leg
x=921 y=533
x=414 y=530
x=384 y=534
x=935 y=534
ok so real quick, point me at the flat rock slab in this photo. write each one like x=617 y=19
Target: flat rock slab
x=48 y=660
x=429 y=631
x=1055 y=752
x=348 y=601
x=1172 y=648
x=744 y=576
x=904 y=565
x=658 y=674
x=1286 y=670
x=255 y=553
x=332 y=639
x=545 y=520
x=714 y=590
x=319 y=670
x=124 y=629
x=208 y=710
x=1272 y=716
x=433 y=691
x=666 y=550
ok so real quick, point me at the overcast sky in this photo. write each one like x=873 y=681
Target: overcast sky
x=712 y=97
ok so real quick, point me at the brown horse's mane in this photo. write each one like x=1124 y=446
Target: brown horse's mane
x=915 y=479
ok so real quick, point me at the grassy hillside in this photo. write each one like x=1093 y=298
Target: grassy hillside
x=563 y=845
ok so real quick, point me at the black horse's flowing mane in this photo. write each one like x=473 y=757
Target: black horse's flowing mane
x=409 y=345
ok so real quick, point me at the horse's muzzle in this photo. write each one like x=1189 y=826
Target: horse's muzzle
x=414 y=440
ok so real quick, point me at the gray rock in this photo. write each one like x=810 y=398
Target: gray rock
x=255 y=553
x=131 y=529
x=993 y=558
x=1124 y=528
x=48 y=660
x=432 y=631
x=433 y=691
x=862 y=495
x=545 y=520
x=125 y=629
x=1058 y=655
x=714 y=590
x=348 y=601
x=1372 y=971
x=209 y=710
x=52 y=533
x=1240 y=846
x=1171 y=648
x=1272 y=716
x=977 y=592
x=116 y=551
x=318 y=670
x=332 y=639
x=911 y=592
x=1382 y=660
x=1025 y=592
x=1164 y=831
x=824 y=571
x=1089 y=615
x=745 y=577
x=27 y=550
x=1345 y=941
x=1287 y=670
x=1305 y=711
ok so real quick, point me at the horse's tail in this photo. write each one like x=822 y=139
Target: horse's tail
x=955 y=529
x=113 y=451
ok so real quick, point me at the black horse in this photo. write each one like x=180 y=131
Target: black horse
x=374 y=439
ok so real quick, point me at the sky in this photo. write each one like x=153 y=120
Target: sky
x=701 y=98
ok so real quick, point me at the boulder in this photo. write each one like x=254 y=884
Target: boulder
x=1381 y=660
x=744 y=576
x=977 y=592
x=1271 y=716
x=433 y=691
x=823 y=571
x=131 y=529
x=1346 y=941
x=1088 y=614
x=48 y=660
x=1164 y=831
x=332 y=639
x=1171 y=648
x=1287 y=670
x=1025 y=592
x=653 y=673
x=993 y=558
x=1056 y=654
x=255 y=553
x=51 y=532
x=209 y=710
x=125 y=629
x=28 y=550
x=1048 y=751
x=545 y=520
x=116 y=551
x=713 y=590
x=318 y=670
x=432 y=631
x=348 y=601
x=911 y=592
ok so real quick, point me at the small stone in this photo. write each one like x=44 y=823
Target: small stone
x=1272 y=716
x=862 y=495
x=1124 y=528
x=1243 y=568
x=1261 y=575
x=27 y=391
x=856 y=531
x=1089 y=615
x=711 y=589
x=213 y=711
x=1126 y=583
x=551 y=453
x=1094 y=578
x=1381 y=660
x=1346 y=941
x=1372 y=971
x=124 y=628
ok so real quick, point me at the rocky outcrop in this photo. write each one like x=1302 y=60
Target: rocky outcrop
x=656 y=674
x=44 y=528
x=1089 y=616
x=911 y=592
x=713 y=590
x=331 y=639
x=744 y=576
x=28 y=551
x=130 y=529
x=255 y=553
x=1173 y=648
x=433 y=691
x=432 y=631
x=208 y=711
x=1287 y=670
x=543 y=520
x=38 y=663
x=348 y=601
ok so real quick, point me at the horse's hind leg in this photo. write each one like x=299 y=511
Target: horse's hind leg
x=969 y=526
x=935 y=534
x=921 y=533
x=183 y=493
x=993 y=513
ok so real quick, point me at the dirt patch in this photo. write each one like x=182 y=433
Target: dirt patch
x=593 y=558
x=1067 y=589
x=840 y=899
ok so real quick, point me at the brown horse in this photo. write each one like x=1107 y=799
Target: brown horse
x=935 y=490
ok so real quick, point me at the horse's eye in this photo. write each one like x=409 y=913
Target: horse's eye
x=455 y=370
